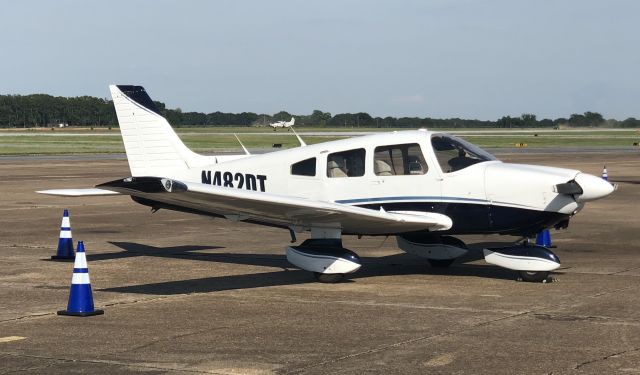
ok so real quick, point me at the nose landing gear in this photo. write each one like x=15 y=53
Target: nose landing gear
x=532 y=262
x=534 y=276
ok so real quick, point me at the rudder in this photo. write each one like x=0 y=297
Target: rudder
x=152 y=147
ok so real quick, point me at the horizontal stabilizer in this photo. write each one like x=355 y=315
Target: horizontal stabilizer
x=92 y=192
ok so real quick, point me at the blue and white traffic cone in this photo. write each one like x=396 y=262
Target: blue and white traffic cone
x=65 y=243
x=544 y=238
x=605 y=174
x=80 y=296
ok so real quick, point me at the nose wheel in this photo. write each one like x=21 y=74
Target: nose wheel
x=534 y=276
x=328 y=278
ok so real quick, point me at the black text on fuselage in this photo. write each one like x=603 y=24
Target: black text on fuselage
x=236 y=180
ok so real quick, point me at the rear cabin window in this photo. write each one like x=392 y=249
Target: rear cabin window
x=304 y=168
x=399 y=160
x=346 y=163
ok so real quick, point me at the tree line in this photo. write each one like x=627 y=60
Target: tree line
x=41 y=110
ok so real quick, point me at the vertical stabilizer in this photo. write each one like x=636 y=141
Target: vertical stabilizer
x=153 y=148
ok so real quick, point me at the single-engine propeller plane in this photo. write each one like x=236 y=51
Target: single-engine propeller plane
x=283 y=124
x=422 y=187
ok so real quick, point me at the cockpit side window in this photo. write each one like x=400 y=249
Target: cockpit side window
x=346 y=163
x=454 y=154
x=396 y=160
x=304 y=168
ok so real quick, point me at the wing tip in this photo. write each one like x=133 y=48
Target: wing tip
x=95 y=192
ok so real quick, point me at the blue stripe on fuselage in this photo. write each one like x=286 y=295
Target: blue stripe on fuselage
x=423 y=199
x=408 y=198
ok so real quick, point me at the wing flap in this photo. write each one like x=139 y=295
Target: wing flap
x=276 y=209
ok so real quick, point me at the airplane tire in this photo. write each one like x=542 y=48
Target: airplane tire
x=328 y=278
x=440 y=263
x=534 y=276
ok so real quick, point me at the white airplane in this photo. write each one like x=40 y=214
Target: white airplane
x=421 y=187
x=283 y=124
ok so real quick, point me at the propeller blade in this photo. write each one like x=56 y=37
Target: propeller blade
x=571 y=188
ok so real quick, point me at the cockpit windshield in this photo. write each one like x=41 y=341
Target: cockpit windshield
x=454 y=154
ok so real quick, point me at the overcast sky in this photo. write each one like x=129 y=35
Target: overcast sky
x=438 y=58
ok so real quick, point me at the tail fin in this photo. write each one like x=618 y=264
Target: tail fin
x=153 y=148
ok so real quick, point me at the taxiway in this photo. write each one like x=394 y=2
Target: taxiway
x=189 y=294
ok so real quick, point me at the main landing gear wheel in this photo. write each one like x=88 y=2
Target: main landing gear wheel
x=451 y=241
x=534 y=276
x=328 y=278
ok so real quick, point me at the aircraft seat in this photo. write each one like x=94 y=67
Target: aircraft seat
x=382 y=168
x=334 y=170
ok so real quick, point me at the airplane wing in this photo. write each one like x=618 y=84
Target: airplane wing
x=272 y=209
x=93 y=192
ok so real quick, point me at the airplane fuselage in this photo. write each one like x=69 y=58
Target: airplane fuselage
x=485 y=197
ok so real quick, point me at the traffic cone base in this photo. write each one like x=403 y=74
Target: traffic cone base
x=86 y=313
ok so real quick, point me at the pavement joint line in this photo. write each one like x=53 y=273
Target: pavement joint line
x=117 y=303
x=143 y=300
x=29 y=316
x=110 y=362
x=586 y=363
x=599 y=319
x=611 y=291
x=173 y=337
x=14 y=246
x=617 y=273
x=29 y=369
x=376 y=304
x=623 y=271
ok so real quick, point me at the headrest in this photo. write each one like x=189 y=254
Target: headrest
x=381 y=166
x=332 y=164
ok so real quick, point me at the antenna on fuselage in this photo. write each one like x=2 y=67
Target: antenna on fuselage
x=297 y=136
x=244 y=148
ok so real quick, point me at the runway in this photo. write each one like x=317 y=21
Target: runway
x=500 y=152
x=185 y=294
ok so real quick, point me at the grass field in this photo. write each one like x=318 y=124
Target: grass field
x=209 y=140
